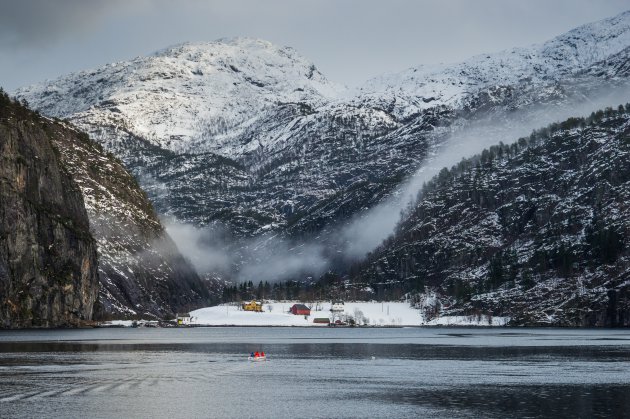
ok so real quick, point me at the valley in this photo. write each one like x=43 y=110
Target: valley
x=260 y=169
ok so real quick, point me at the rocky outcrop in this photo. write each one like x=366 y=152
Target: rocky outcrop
x=141 y=270
x=48 y=259
x=55 y=179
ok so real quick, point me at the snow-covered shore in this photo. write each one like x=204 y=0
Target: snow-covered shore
x=369 y=313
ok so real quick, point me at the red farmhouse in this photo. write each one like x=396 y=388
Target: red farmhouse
x=300 y=309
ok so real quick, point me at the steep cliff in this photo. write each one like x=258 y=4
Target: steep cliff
x=48 y=259
x=141 y=270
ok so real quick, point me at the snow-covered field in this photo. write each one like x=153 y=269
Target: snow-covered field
x=370 y=313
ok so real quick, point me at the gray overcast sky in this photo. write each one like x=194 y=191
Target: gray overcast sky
x=349 y=40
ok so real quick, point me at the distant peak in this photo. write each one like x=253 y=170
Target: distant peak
x=246 y=41
x=233 y=42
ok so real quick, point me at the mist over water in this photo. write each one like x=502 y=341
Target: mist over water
x=270 y=257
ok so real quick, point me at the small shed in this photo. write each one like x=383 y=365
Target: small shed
x=252 y=306
x=321 y=320
x=300 y=309
x=182 y=319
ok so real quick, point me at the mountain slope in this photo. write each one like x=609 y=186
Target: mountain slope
x=141 y=270
x=48 y=260
x=245 y=136
x=537 y=230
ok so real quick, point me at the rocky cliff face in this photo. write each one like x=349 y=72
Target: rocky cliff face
x=141 y=270
x=48 y=259
x=59 y=173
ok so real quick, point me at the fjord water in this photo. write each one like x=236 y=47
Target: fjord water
x=315 y=372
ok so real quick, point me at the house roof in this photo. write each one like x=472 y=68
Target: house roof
x=300 y=307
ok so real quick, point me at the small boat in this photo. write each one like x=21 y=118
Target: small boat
x=258 y=356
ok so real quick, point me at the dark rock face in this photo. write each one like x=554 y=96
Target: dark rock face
x=48 y=259
x=53 y=179
x=141 y=270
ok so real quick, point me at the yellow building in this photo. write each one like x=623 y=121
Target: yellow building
x=183 y=319
x=252 y=306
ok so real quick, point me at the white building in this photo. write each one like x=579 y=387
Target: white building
x=337 y=307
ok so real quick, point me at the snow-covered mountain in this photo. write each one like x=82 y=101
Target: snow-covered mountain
x=189 y=97
x=251 y=136
x=554 y=61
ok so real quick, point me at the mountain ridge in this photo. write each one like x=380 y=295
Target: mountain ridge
x=299 y=165
x=559 y=57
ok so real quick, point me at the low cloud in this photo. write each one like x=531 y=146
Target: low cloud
x=28 y=23
x=272 y=258
x=203 y=247
x=267 y=258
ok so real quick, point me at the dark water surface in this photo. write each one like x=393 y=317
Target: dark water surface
x=315 y=372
